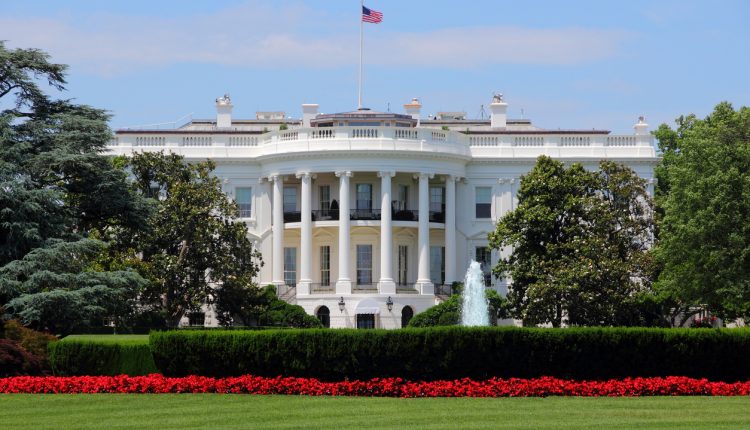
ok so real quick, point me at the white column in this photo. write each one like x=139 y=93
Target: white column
x=423 y=275
x=344 y=283
x=277 y=230
x=450 y=229
x=303 y=287
x=386 y=284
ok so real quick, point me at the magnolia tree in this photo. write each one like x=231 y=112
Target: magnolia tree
x=577 y=245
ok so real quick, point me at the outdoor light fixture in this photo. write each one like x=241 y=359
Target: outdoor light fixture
x=389 y=303
x=342 y=305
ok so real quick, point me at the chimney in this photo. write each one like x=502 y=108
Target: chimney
x=498 y=112
x=641 y=128
x=413 y=108
x=309 y=111
x=224 y=112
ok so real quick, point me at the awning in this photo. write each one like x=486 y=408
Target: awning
x=368 y=306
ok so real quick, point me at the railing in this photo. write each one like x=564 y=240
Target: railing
x=318 y=288
x=325 y=215
x=408 y=288
x=292 y=216
x=437 y=216
x=286 y=291
x=405 y=215
x=364 y=287
x=421 y=139
x=443 y=290
x=364 y=214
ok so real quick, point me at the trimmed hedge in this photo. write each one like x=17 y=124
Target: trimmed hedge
x=458 y=352
x=87 y=357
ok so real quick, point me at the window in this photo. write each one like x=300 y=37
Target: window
x=403 y=252
x=325 y=266
x=290 y=199
x=196 y=319
x=483 y=201
x=325 y=197
x=364 y=264
x=406 y=315
x=324 y=315
x=364 y=196
x=437 y=199
x=484 y=257
x=365 y=321
x=402 y=197
x=290 y=266
x=437 y=265
x=244 y=198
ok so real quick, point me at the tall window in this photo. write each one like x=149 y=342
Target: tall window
x=325 y=265
x=196 y=319
x=244 y=198
x=406 y=315
x=364 y=196
x=325 y=197
x=483 y=202
x=437 y=265
x=364 y=264
x=402 y=198
x=365 y=321
x=324 y=315
x=290 y=199
x=290 y=266
x=403 y=252
x=437 y=199
x=484 y=257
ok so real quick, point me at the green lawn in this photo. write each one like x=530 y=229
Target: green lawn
x=182 y=411
x=109 y=338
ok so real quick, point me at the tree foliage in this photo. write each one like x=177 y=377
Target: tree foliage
x=704 y=194
x=577 y=243
x=53 y=289
x=191 y=245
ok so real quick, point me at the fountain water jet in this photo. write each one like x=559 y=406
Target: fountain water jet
x=474 y=305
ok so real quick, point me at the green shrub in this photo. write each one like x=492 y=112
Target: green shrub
x=90 y=357
x=457 y=352
x=446 y=313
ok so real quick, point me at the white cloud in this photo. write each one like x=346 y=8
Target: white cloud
x=272 y=36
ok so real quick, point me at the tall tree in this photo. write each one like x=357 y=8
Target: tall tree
x=578 y=244
x=193 y=244
x=56 y=181
x=57 y=188
x=704 y=234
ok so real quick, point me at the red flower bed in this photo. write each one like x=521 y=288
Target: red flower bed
x=386 y=387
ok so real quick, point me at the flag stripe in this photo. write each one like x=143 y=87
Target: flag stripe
x=371 y=16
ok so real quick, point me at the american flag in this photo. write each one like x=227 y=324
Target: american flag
x=373 y=16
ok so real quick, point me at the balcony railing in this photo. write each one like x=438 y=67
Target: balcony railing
x=405 y=215
x=364 y=287
x=422 y=139
x=325 y=215
x=318 y=288
x=363 y=215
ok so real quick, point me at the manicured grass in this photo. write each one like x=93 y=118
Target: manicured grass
x=109 y=338
x=216 y=411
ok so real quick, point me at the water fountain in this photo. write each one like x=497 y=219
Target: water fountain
x=474 y=305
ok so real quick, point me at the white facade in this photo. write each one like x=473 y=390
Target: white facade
x=448 y=181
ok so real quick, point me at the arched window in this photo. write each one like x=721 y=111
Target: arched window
x=324 y=315
x=406 y=315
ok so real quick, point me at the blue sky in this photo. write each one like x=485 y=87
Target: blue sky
x=567 y=64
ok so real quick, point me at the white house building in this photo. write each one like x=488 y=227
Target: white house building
x=365 y=218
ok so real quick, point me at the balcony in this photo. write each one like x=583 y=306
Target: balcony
x=318 y=288
x=363 y=215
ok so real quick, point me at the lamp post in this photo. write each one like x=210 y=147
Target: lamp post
x=342 y=305
x=389 y=303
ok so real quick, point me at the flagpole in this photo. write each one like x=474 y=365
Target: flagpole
x=361 y=31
